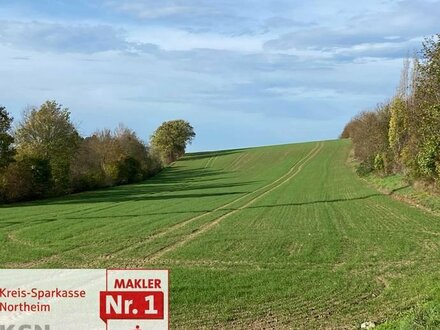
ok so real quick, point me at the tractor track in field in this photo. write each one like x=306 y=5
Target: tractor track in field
x=197 y=217
x=293 y=171
x=277 y=183
x=382 y=267
x=210 y=161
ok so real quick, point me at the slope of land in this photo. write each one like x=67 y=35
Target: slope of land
x=272 y=237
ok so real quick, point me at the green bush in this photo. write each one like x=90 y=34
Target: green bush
x=26 y=179
x=364 y=169
x=129 y=170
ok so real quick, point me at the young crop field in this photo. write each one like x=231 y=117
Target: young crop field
x=272 y=237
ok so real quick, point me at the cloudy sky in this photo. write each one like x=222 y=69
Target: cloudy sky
x=244 y=73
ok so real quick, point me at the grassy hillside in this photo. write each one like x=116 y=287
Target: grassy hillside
x=283 y=236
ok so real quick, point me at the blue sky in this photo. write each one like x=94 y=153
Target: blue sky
x=244 y=73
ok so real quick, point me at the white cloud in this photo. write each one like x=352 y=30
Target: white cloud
x=43 y=36
x=175 y=39
x=144 y=61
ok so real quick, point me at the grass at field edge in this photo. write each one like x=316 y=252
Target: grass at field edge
x=425 y=315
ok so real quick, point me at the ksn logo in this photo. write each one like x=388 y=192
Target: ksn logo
x=135 y=295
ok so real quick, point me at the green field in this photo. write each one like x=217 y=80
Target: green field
x=272 y=237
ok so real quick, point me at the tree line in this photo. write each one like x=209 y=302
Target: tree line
x=403 y=134
x=45 y=156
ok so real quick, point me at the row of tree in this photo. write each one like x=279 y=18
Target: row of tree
x=46 y=156
x=403 y=135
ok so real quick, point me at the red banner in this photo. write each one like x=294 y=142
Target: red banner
x=139 y=305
